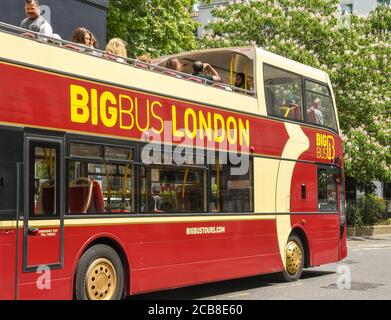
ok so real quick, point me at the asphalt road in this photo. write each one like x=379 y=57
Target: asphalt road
x=368 y=262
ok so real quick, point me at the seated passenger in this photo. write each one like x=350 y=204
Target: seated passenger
x=314 y=113
x=118 y=47
x=82 y=36
x=85 y=37
x=205 y=70
x=291 y=109
x=240 y=80
x=145 y=58
x=174 y=64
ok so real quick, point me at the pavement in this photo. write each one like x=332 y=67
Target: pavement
x=364 y=274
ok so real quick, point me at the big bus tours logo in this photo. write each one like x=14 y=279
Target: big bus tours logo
x=325 y=146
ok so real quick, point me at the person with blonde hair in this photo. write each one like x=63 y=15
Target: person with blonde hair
x=118 y=47
x=174 y=64
x=145 y=58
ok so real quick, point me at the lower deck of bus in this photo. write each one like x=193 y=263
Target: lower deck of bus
x=172 y=225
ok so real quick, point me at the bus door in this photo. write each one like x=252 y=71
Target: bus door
x=43 y=204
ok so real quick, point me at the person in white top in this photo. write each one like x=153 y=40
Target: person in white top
x=34 y=21
x=316 y=109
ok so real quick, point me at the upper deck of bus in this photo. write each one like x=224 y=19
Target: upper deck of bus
x=68 y=59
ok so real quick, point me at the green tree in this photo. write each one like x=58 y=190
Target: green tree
x=156 y=27
x=353 y=50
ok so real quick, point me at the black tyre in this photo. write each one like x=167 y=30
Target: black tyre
x=295 y=257
x=99 y=275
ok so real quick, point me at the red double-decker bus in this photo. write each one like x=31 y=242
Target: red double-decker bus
x=122 y=178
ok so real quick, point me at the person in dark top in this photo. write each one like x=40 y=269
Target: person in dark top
x=240 y=80
x=34 y=21
x=205 y=70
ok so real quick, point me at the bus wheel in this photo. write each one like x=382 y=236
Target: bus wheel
x=294 y=259
x=99 y=275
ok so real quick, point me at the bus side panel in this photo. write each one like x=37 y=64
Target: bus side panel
x=176 y=259
x=164 y=255
x=8 y=260
x=10 y=154
x=44 y=284
x=304 y=198
x=322 y=232
x=322 y=229
x=175 y=276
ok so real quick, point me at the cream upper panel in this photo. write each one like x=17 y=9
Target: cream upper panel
x=42 y=55
x=291 y=65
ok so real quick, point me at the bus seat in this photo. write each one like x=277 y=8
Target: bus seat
x=45 y=202
x=80 y=193
x=311 y=116
x=97 y=204
x=28 y=35
x=284 y=111
x=195 y=79
x=141 y=66
x=170 y=73
x=297 y=112
x=110 y=57
x=72 y=47
x=221 y=86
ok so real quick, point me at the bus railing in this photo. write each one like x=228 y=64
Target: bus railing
x=68 y=45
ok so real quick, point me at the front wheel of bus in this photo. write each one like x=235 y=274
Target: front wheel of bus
x=294 y=259
x=99 y=275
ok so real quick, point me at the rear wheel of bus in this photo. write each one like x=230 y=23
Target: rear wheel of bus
x=295 y=257
x=99 y=275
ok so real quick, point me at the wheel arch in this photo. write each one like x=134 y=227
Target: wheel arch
x=118 y=247
x=299 y=232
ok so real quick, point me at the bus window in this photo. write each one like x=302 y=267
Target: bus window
x=230 y=193
x=45 y=184
x=283 y=93
x=169 y=189
x=101 y=180
x=327 y=189
x=319 y=105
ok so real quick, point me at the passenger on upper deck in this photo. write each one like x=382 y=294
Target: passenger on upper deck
x=291 y=109
x=203 y=70
x=174 y=64
x=117 y=46
x=83 y=36
x=314 y=113
x=145 y=58
x=240 y=80
x=34 y=21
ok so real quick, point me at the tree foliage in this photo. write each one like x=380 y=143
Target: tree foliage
x=156 y=27
x=354 y=50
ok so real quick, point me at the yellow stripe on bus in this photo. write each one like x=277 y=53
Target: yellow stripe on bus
x=69 y=222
